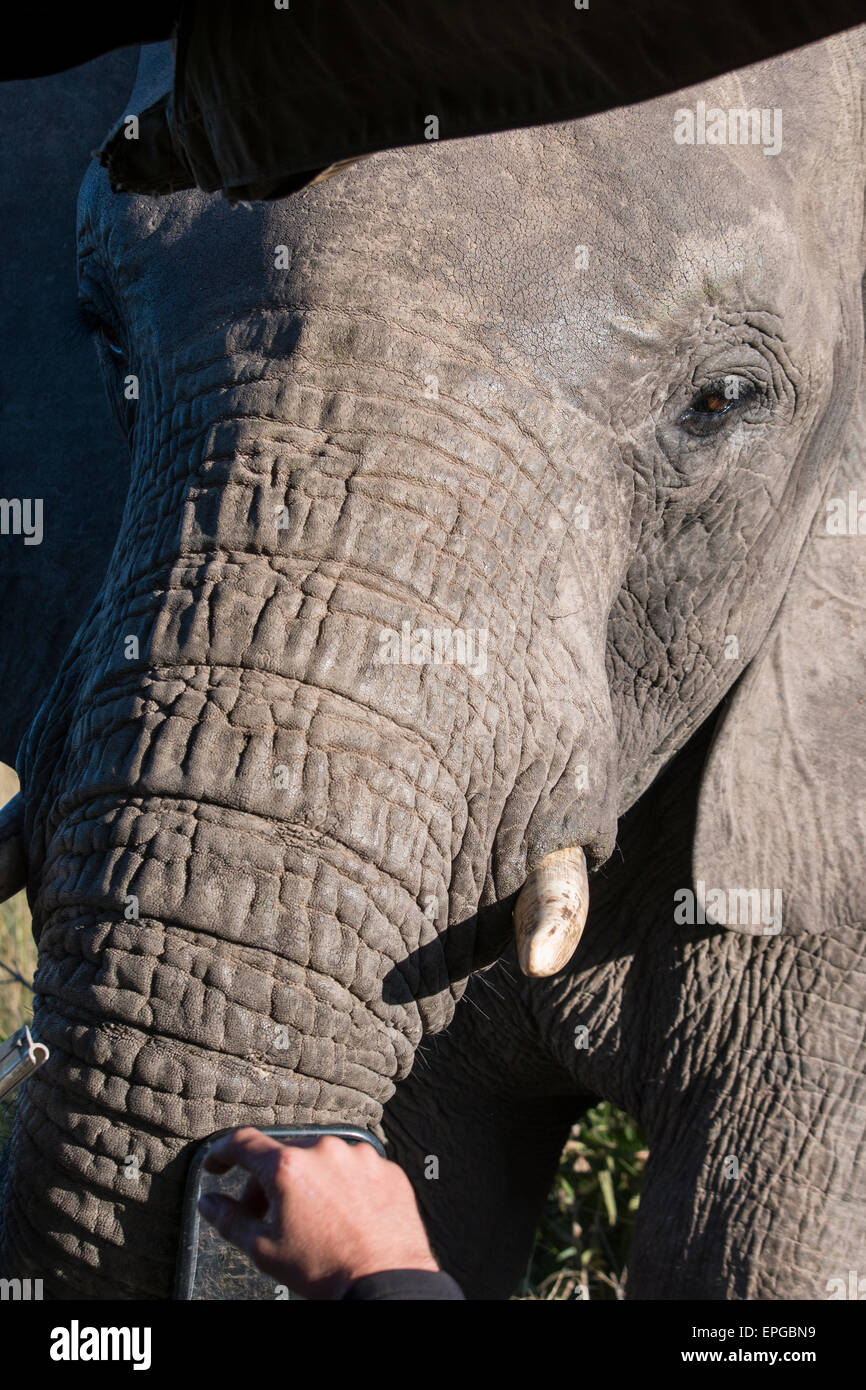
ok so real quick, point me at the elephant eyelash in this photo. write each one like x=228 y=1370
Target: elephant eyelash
x=713 y=407
x=95 y=326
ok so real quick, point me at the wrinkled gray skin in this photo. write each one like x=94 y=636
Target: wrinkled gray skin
x=551 y=495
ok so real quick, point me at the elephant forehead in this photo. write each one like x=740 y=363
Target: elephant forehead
x=551 y=247
x=558 y=296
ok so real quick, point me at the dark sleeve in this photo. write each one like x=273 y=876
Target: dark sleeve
x=404 y=1284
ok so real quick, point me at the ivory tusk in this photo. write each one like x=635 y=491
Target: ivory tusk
x=550 y=912
x=339 y=168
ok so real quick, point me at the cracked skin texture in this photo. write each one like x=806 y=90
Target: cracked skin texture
x=263 y=864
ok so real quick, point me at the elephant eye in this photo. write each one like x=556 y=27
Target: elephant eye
x=114 y=347
x=713 y=407
x=97 y=326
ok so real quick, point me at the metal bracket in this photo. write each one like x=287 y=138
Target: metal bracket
x=19 y=1058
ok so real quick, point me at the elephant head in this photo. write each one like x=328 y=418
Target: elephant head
x=463 y=488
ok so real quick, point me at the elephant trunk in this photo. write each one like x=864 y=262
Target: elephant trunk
x=200 y=967
x=276 y=764
x=239 y=849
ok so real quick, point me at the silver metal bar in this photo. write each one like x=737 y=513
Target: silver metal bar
x=19 y=1058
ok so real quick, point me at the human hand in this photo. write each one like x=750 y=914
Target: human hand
x=338 y=1211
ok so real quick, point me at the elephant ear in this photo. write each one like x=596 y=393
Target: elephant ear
x=63 y=462
x=782 y=807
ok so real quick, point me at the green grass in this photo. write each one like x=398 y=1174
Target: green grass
x=582 y=1241
x=17 y=951
x=16 y=1000
x=17 y=947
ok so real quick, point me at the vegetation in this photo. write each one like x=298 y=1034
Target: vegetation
x=17 y=961
x=583 y=1238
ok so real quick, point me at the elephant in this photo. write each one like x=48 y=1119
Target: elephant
x=492 y=519
x=44 y=343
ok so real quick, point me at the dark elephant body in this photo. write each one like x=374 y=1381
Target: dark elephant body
x=55 y=423
x=587 y=411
